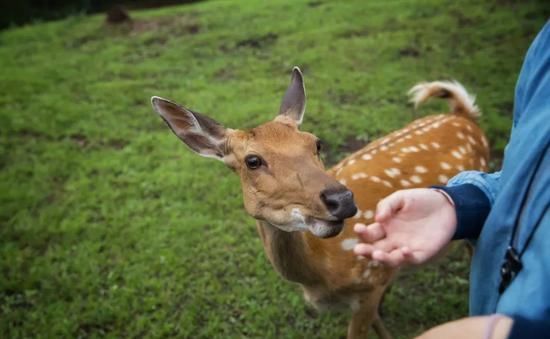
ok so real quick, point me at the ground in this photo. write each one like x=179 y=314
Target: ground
x=111 y=227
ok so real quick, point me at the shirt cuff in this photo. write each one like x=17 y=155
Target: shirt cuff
x=472 y=208
x=529 y=328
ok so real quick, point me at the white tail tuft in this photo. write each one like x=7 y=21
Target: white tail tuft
x=460 y=101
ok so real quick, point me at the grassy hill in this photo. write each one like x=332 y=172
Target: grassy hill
x=110 y=227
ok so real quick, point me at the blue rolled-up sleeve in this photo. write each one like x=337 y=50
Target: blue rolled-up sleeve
x=488 y=183
x=473 y=194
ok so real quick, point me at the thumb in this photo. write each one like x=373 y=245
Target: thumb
x=390 y=206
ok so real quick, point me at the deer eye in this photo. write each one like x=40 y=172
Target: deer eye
x=253 y=162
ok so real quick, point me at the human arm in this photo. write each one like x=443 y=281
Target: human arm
x=494 y=326
x=412 y=226
x=482 y=327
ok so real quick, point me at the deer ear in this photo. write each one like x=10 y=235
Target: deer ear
x=294 y=101
x=202 y=134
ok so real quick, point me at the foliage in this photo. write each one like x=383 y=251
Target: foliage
x=110 y=227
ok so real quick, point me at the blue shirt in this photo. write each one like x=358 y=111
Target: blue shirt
x=490 y=206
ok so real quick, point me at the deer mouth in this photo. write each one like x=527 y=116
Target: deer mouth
x=324 y=228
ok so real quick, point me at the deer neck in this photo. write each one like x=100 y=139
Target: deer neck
x=288 y=253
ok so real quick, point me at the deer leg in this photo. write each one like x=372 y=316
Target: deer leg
x=380 y=328
x=361 y=321
x=367 y=316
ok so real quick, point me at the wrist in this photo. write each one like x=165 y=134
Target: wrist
x=447 y=196
x=471 y=207
x=448 y=210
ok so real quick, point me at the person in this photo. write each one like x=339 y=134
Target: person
x=504 y=214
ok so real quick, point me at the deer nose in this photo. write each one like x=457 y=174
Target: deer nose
x=339 y=202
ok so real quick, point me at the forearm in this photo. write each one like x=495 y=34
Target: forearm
x=484 y=327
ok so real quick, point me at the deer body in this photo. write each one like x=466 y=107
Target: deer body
x=302 y=209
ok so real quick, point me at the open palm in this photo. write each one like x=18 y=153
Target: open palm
x=411 y=226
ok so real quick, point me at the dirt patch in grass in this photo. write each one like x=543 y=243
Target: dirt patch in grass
x=409 y=51
x=172 y=25
x=354 y=33
x=335 y=153
x=314 y=4
x=258 y=42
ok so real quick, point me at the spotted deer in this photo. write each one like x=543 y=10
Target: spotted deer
x=305 y=214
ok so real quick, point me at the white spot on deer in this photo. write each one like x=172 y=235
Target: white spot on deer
x=414 y=149
x=368 y=214
x=456 y=154
x=357 y=176
x=462 y=149
x=351 y=162
x=460 y=167
x=375 y=178
x=354 y=304
x=418 y=132
x=445 y=165
x=392 y=172
x=435 y=145
x=484 y=142
x=456 y=124
x=421 y=169
x=426 y=129
x=416 y=179
x=442 y=178
x=339 y=170
x=342 y=181
x=387 y=183
x=460 y=135
x=373 y=263
x=482 y=162
x=396 y=159
x=405 y=150
x=424 y=147
x=472 y=140
x=366 y=273
x=408 y=136
x=374 y=151
x=357 y=215
x=469 y=128
x=405 y=183
x=349 y=244
x=366 y=156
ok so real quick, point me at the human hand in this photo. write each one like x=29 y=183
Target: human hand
x=411 y=226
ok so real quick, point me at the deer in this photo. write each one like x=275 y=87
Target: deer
x=305 y=213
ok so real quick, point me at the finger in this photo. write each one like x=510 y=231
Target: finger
x=363 y=249
x=359 y=227
x=389 y=206
x=370 y=233
x=385 y=245
x=413 y=257
x=394 y=258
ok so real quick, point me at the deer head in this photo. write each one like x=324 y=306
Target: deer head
x=282 y=176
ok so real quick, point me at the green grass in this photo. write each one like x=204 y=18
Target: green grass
x=110 y=227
